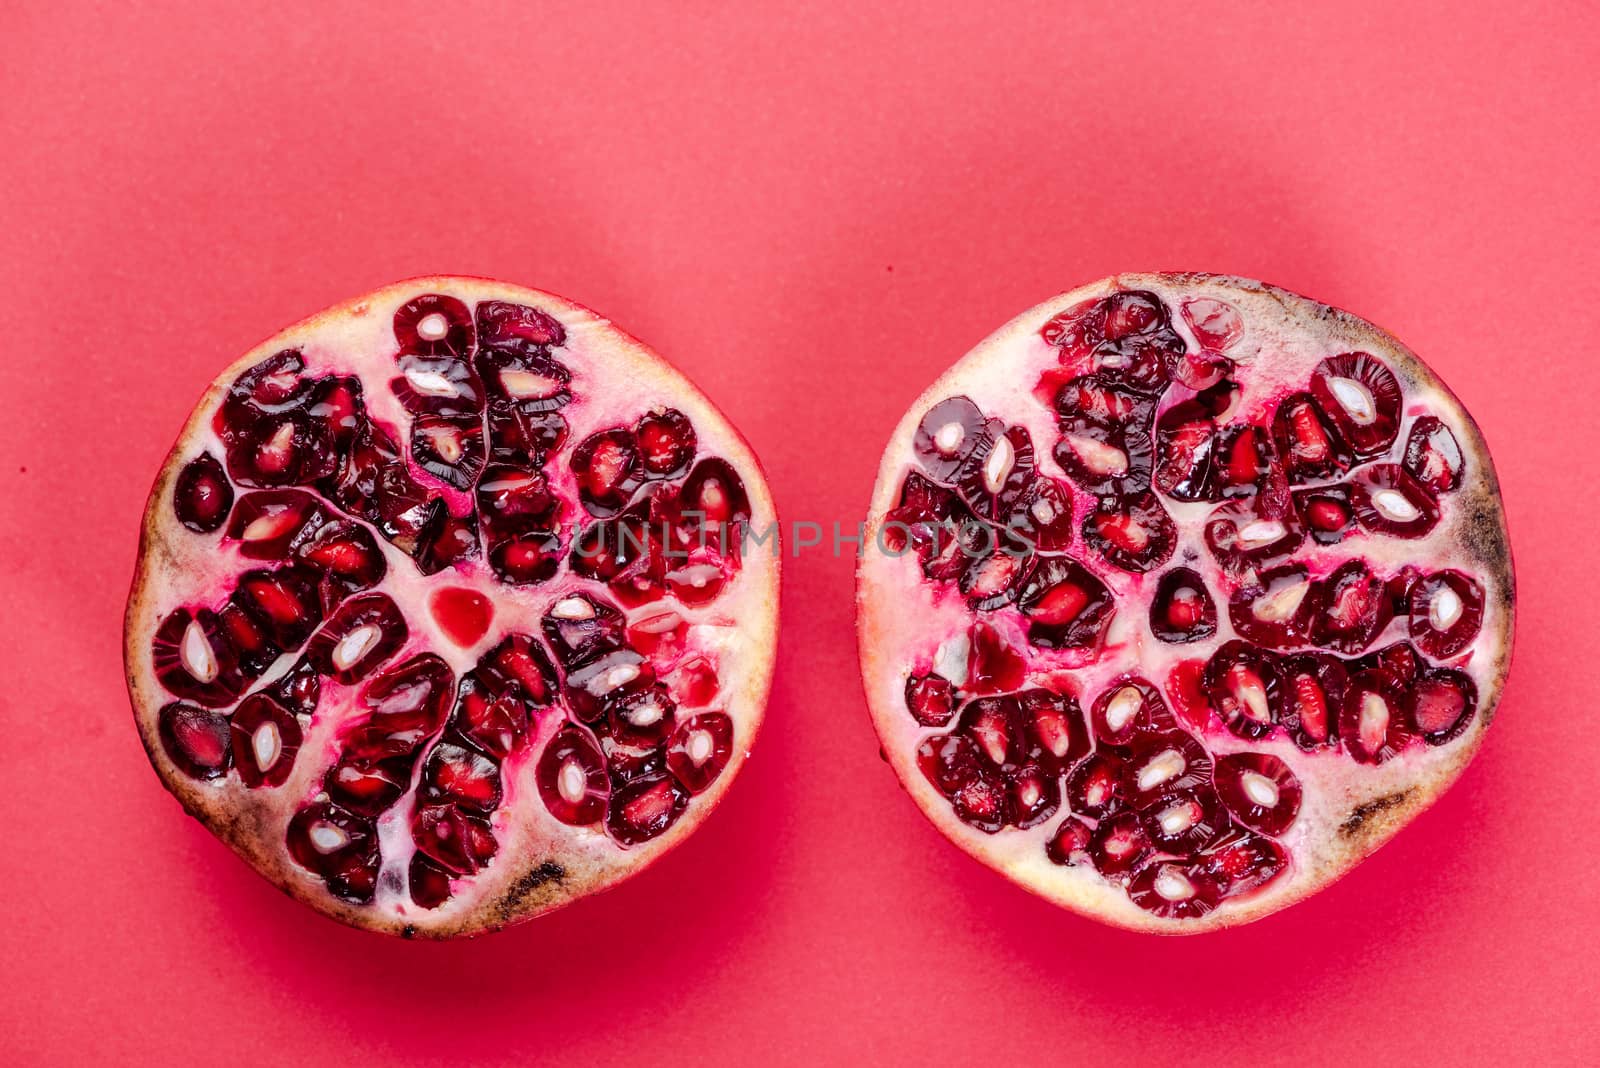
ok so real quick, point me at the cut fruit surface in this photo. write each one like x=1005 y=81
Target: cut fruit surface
x=391 y=638
x=1273 y=612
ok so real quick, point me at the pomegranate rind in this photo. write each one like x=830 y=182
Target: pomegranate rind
x=541 y=864
x=1348 y=810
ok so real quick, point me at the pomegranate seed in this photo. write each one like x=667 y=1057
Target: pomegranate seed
x=694 y=681
x=455 y=841
x=1070 y=842
x=341 y=848
x=992 y=722
x=434 y=325
x=606 y=467
x=1241 y=862
x=572 y=777
x=195 y=740
x=981 y=802
x=192 y=660
x=429 y=883
x=346 y=550
x=644 y=809
x=699 y=749
x=1387 y=500
x=993 y=666
x=1094 y=788
x=1445 y=611
x=368 y=787
x=1361 y=398
x=504 y=324
x=1129 y=705
x=1216 y=324
x=1058 y=736
x=666 y=442
x=1243 y=684
x=1181 y=822
x=455 y=774
x=1164 y=762
x=202 y=495
x=464 y=615
x=996 y=474
x=1351 y=608
x=1313 y=689
x=1310 y=447
x=1326 y=513
x=1432 y=455
x=1118 y=845
x=1033 y=795
x=1277 y=609
x=930 y=698
x=1175 y=891
x=1133 y=533
x=265 y=740
x=1186 y=690
x=1441 y=705
x=363 y=633
x=527 y=559
x=1259 y=791
x=1242 y=536
x=268 y=524
x=1182 y=610
x=1372 y=718
x=1066 y=606
x=947 y=435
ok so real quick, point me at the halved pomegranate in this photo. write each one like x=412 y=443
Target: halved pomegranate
x=1275 y=608
x=372 y=642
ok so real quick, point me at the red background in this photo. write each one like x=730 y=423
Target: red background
x=812 y=210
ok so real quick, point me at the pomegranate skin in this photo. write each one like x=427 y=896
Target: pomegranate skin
x=1277 y=339
x=527 y=862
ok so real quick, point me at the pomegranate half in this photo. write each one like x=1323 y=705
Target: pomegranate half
x=444 y=613
x=1182 y=594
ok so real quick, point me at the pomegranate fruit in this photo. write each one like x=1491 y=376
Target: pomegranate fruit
x=444 y=612
x=1246 y=549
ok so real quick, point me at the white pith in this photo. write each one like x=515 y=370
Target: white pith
x=906 y=624
x=615 y=380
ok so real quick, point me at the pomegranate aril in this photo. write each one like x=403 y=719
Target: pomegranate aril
x=434 y=325
x=1065 y=605
x=699 y=749
x=456 y=774
x=994 y=476
x=1242 y=536
x=440 y=391
x=429 y=883
x=193 y=660
x=981 y=802
x=1070 y=842
x=1351 y=608
x=1182 y=822
x=366 y=786
x=1312 y=690
x=412 y=696
x=571 y=776
x=1243 y=461
x=591 y=687
x=1033 y=795
x=253 y=648
x=1118 y=845
x=1164 y=762
x=694 y=682
x=1308 y=444
x=1372 y=718
x=1128 y=706
x=265 y=740
x=1094 y=788
x=1258 y=790
x=1182 y=610
x=1185 y=444
x=644 y=809
x=1174 y=890
x=993 y=580
x=713 y=503
x=1243 y=684
x=363 y=633
x=1216 y=324
x=493 y=724
x=449 y=448
x=195 y=739
x=202 y=494
x=284 y=601
x=274 y=385
x=1326 y=513
x=1277 y=609
x=1441 y=705
x=286 y=450
x=526 y=559
x=1242 y=862
x=580 y=628
x=947 y=435
x=298 y=689
x=666 y=443
x=1042 y=521
x=521 y=660
x=1432 y=456
x=346 y=550
x=930 y=699
x=993 y=723
x=340 y=847
x=1055 y=733
x=993 y=664
x=1133 y=533
x=455 y=841
x=271 y=523
x=1398 y=663
x=1387 y=500
x=1445 y=611
x=606 y=466
x=1361 y=398
x=1105 y=459
x=1097 y=400
x=503 y=324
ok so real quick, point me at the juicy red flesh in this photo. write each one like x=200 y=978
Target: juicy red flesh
x=467 y=477
x=1145 y=801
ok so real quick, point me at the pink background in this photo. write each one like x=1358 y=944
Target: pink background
x=812 y=210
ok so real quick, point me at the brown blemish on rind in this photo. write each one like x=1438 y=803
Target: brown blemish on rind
x=547 y=872
x=1363 y=812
